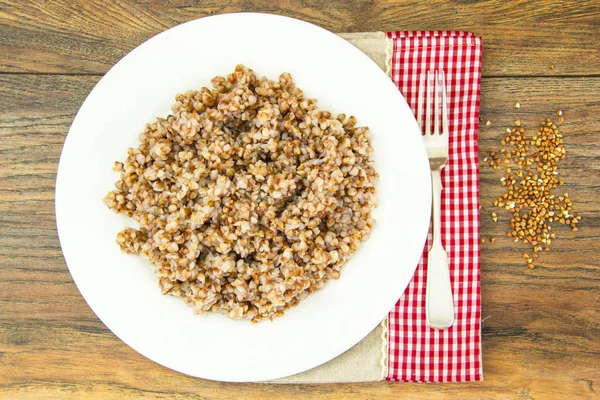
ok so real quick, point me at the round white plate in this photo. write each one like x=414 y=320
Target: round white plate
x=122 y=290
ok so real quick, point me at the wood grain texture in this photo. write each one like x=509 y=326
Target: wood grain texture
x=541 y=334
x=520 y=37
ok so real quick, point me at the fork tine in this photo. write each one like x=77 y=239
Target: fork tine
x=445 y=129
x=420 y=101
x=436 y=105
x=428 y=106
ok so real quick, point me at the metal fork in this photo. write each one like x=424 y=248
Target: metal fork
x=439 y=305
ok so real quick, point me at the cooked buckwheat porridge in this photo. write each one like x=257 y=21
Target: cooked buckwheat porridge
x=248 y=197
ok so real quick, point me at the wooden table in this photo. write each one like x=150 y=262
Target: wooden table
x=541 y=334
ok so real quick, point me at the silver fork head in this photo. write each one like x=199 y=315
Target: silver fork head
x=425 y=84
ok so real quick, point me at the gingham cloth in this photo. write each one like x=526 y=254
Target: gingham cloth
x=416 y=352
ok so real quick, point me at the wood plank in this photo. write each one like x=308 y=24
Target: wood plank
x=540 y=334
x=89 y=36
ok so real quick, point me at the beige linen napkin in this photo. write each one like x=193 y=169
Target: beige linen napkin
x=367 y=360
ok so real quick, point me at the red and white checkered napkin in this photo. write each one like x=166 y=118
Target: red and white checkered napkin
x=416 y=352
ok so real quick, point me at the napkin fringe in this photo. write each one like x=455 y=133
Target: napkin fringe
x=384 y=349
x=389 y=48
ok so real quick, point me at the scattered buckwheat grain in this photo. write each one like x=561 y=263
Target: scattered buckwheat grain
x=531 y=180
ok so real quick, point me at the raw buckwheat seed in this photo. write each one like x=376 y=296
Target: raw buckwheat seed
x=530 y=183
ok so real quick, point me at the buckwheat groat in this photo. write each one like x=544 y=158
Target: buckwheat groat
x=248 y=197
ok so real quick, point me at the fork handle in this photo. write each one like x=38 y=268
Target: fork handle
x=439 y=304
x=436 y=184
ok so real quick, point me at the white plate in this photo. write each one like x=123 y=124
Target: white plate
x=122 y=289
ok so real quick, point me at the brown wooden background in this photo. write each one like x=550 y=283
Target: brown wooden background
x=541 y=334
